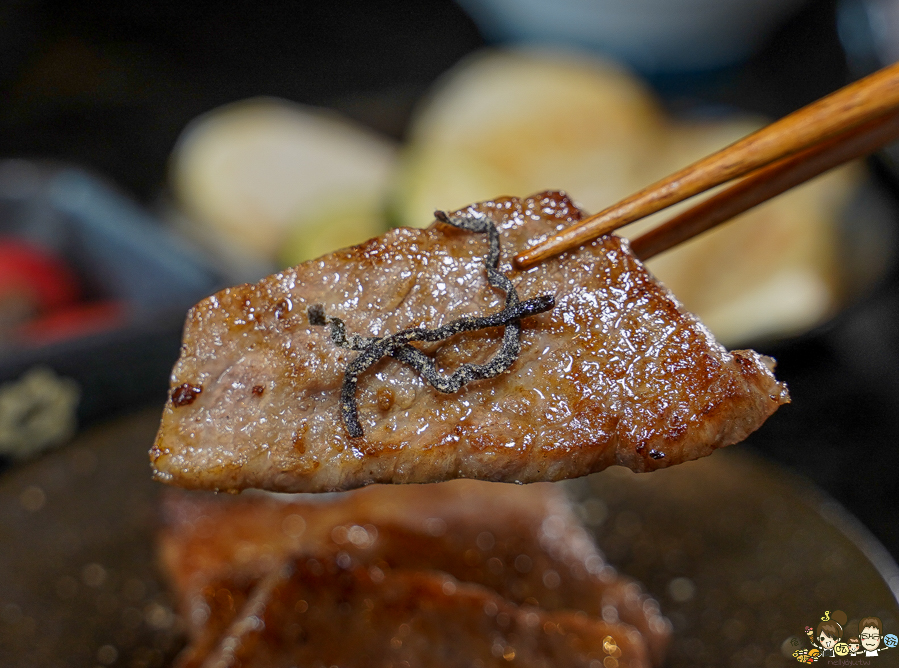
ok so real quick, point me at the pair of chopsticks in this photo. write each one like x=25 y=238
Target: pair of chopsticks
x=848 y=124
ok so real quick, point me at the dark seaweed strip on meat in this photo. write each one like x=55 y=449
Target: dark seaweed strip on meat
x=373 y=348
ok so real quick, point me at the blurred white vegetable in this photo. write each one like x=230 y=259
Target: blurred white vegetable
x=270 y=181
x=517 y=122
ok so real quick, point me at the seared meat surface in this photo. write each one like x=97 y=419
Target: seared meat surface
x=616 y=373
x=315 y=612
x=522 y=543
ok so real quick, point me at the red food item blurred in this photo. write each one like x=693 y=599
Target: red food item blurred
x=33 y=281
x=40 y=298
x=71 y=322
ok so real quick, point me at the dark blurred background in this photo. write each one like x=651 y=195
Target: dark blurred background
x=110 y=85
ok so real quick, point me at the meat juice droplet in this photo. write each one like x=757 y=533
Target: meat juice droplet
x=185 y=394
x=283 y=308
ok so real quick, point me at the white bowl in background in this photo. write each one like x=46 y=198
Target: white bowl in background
x=653 y=36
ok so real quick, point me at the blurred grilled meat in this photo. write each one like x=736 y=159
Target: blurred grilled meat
x=521 y=542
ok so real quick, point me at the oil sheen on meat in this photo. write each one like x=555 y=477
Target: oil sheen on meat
x=315 y=614
x=616 y=373
x=529 y=551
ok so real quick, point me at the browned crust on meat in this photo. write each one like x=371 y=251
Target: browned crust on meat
x=616 y=373
x=317 y=612
x=529 y=549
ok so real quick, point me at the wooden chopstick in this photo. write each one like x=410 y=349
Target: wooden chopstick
x=766 y=183
x=857 y=103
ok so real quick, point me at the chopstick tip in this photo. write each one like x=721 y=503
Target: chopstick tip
x=526 y=259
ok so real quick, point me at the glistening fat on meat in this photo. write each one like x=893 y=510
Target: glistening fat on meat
x=528 y=550
x=615 y=373
x=318 y=613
